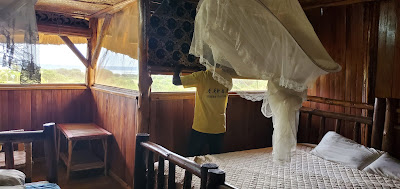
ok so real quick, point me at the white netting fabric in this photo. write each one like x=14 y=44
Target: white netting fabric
x=263 y=39
x=18 y=37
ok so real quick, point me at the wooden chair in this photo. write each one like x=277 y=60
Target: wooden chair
x=48 y=135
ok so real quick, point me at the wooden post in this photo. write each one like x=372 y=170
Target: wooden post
x=28 y=161
x=378 y=122
x=104 y=27
x=387 y=141
x=160 y=174
x=92 y=41
x=356 y=132
x=49 y=131
x=187 y=181
x=150 y=170
x=171 y=176
x=144 y=75
x=337 y=126
x=321 y=129
x=139 y=181
x=9 y=155
x=204 y=173
x=216 y=177
x=308 y=128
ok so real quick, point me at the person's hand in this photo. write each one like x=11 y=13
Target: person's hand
x=178 y=68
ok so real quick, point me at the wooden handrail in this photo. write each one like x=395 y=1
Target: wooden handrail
x=339 y=102
x=23 y=136
x=176 y=159
x=334 y=115
x=48 y=135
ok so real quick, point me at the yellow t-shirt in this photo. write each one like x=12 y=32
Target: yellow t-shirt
x=211 y=101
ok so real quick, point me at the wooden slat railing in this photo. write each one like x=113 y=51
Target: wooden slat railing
x=210 y=176
x=48 y=135
x=340 y=102
x=373 y=123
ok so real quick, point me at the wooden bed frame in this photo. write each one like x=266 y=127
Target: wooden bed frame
x=47 y=135
x=378 y=126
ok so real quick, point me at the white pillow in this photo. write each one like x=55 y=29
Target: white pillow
x=336 y=148
x=11 y=177
x=385 y=165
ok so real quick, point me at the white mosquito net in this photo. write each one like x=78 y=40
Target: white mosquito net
x=18 y=37
x=264 y=39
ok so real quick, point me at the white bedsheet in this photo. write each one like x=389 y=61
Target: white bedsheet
x=255 y=169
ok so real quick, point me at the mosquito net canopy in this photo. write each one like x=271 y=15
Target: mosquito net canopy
x=18 y=37
x=264 y=39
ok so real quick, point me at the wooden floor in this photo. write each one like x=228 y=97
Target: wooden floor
x=92 y=179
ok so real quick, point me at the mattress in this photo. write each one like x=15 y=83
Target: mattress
x=255 y=169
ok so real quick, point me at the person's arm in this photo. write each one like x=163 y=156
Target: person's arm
x=176 y=80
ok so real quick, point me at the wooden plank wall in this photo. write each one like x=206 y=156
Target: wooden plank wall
x=117 y=114
x=388 y=77
x=30 y=109
x=171 y=123
x=343 y=31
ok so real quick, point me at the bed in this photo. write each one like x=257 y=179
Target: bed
x=16 y=179
x=255 y=169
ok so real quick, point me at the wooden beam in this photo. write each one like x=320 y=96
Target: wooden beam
x=92 y=41
x=387 y=141
x=104 y=27
x=334 y=115
x=145 y=80
x=339 y=102
x=9 y=155
x=112 y=9
x=378 y=122
x=64 y=30
x=310 y=4
x=73 y=48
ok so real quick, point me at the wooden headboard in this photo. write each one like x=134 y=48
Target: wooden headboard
x=377 y=121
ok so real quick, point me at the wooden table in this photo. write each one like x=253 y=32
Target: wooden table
x=82 y=160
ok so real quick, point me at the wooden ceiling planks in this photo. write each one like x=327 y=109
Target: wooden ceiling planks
x=82 y=8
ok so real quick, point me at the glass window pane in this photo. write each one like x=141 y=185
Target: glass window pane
x=249 y=85
x=163 y=83
x=9 y=76
x=60 y=65
x=117 y=70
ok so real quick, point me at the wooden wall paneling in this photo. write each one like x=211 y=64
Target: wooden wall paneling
x=396 y=66
x=259 y=127
x=386 y=48
x=117 y=114
x=236 y=125
x=4 y=111
x=344 y=31
x=131 y=111
x=30 y=109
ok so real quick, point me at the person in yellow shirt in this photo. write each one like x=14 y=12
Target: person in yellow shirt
x=209 y=122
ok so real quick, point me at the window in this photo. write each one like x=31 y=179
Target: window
x=249 y=85
x=117 y=70
x=163 y=83
x=58 y=64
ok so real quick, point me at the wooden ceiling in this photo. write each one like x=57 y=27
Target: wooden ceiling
x=98 y=8
x=82 y=8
